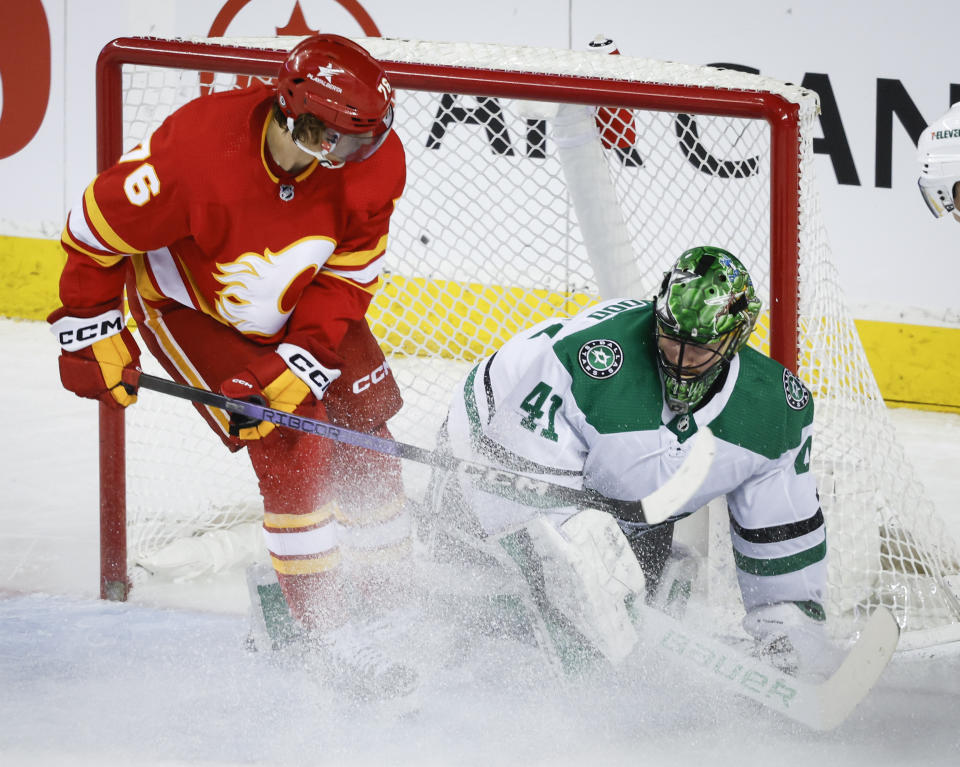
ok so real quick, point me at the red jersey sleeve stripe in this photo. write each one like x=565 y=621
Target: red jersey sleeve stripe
x=100 y=227
x=103 y=259
x=358 y=258
x=370 y=287
x=362 y=274
x=82 y=235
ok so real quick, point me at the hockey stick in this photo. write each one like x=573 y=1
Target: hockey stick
x=651 y=510
x=815 y=704
x=818 y=705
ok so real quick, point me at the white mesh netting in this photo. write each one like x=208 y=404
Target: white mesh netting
x=498 y=228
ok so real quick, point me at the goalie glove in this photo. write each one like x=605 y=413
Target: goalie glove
x=280 y=380
x=98 y=354
x=792 y=637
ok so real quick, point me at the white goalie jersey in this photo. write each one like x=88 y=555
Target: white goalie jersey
x=580 y=402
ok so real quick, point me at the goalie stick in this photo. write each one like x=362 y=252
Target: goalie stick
x=818 y=705
x=655 y=508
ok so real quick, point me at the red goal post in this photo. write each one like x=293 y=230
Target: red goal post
x=805 y=327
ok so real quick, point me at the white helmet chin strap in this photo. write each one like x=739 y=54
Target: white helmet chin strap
x=321 y=155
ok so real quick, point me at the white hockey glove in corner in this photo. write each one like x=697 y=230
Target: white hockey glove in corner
x=792 y=637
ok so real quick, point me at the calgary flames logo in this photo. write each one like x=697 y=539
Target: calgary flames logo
x=260 y=290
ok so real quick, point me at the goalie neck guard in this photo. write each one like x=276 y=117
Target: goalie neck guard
x=706 y=310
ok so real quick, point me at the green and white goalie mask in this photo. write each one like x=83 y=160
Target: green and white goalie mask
x=705 y=312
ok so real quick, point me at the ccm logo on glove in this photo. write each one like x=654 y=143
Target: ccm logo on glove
x=76 y=333
x=99 y=358
x=308 y=368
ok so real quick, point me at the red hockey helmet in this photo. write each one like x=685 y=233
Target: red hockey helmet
x=337 y=81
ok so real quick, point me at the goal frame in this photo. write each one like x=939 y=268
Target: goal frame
x=782 y=116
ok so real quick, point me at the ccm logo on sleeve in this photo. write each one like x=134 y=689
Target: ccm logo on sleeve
x=76 y=333
x=308 y=368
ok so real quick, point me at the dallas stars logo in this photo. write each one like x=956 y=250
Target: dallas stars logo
x=600 y=358
x=797 y=394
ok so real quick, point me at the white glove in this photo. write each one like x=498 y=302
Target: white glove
x=791 y=639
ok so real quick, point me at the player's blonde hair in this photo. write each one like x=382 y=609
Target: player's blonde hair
x=307 y=128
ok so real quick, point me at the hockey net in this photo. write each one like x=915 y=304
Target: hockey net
x=539 y=181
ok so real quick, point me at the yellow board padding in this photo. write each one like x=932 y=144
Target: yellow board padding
x=460 y=320
x=29 y=277
x=915 y=365
x=467 y=321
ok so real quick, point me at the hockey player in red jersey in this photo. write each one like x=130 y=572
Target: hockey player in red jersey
x=250 y=231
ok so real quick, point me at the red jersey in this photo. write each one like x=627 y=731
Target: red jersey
x=214 y=224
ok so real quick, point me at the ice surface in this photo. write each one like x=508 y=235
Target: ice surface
x=91 y=683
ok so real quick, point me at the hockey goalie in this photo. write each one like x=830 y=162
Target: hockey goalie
x=612 y=399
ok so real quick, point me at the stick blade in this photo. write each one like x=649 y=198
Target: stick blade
x=673 y=494
x=858 y=673
x=818 y=705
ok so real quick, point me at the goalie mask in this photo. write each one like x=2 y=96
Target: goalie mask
x=705 y=312
x=938 y=151
x=343 y=86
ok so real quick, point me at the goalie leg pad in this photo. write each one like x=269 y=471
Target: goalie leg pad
x=676 y=581
x=272 y=627
x=584 y=571
x=652 y=547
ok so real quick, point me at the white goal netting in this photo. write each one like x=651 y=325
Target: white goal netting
x=519 y=208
